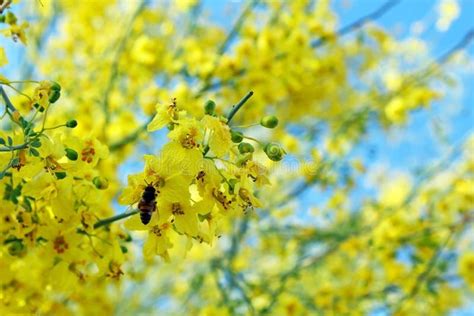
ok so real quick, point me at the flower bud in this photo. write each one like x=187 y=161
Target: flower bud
x=2 y=18
x=246 y=148
x=210 y=107
x=60 y=175
x=100 y=183
x=269 y=121
x=71 y=154
x=55 y=86
x=274 y=151
x=71 y=123
x=54 y=96
x=236 y=136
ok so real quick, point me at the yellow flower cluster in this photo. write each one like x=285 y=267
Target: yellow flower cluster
x=198 y=177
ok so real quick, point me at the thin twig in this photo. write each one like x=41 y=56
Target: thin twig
x=115 y=218
x=237 y=107
x=359 y=23
x=8 y=103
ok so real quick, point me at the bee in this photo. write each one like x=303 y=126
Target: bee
x=147 y=204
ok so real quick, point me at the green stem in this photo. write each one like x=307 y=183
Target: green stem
x=237 y=107
x=13 y=148
x=8 y=103
x=54 y=127
x=253 y=139
x=246 y=126
x=110 y=220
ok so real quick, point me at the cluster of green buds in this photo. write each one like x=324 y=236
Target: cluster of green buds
x=273 y=150
x=46 y=93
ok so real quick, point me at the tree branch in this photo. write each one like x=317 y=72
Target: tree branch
x=359 y=23
x=110 y=220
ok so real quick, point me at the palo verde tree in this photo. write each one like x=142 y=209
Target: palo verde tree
x=153 y=161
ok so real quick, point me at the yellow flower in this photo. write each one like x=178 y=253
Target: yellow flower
x=165 y=114
x=58 y=194
x=466 y=268
x=3 y=58
x=166 y=176
x=220 y=141
x=158 y=241
x=184 y=215
x=185 y=148
x=396 y=110
x=134 y=190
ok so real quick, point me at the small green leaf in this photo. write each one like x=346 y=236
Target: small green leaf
x=36 y=143
x=34 y=152
x=15 y=161
x=71 y=154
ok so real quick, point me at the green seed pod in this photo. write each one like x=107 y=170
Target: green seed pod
x=71 y=154
x=246 y=148
x=55 y=86
x=100 y=183
x=71 y=123
x=210 y=107
x=60 y=175
x=236 y=136
x=274 y=151
x=269 y=121
x=54 y=96
x=2 y=18
x=124 y=249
